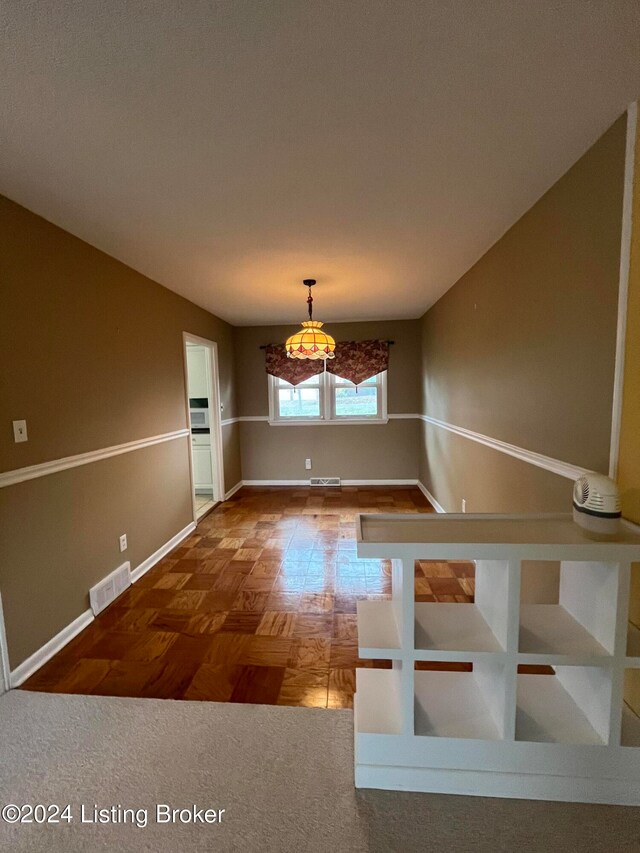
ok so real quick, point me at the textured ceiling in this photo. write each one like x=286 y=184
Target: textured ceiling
x=230 y=149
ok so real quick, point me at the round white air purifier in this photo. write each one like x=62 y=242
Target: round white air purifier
x=596 y=504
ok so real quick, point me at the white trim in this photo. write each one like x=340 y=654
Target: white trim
x=33 y=663
x=334 y=422
x=147 y=564
x=408 y=482
x=326 y=385
x=434 y=503
x=623 y=287
x=411 y=482
x=233 y=490
x=31 y=472
x=215 y=418
x=265 y=418
x=275 y=482
x=563 y=469
x=26 y=669
x=5 y=678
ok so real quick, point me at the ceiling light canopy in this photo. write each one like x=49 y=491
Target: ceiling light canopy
x=310 y=341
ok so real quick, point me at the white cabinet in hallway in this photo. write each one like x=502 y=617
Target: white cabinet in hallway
x=197 y=371
x=202 y=468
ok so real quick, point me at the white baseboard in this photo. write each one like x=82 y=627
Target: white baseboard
x=33 y=663
x=342 y=483
x=46 y=652
x=275 y=482
x=434 y=503
x=233 y=490
x=147 y=564
x=379 y=482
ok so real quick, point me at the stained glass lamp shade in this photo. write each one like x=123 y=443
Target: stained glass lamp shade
x=310 y=341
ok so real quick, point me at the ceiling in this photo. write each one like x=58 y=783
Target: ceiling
x=230 y=149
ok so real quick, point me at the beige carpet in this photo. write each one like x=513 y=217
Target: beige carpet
x=284 y=776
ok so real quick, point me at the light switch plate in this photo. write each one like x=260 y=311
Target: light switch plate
x=20 y=431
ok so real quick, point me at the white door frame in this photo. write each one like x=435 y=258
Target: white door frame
x=215 y=420
x=5 y=673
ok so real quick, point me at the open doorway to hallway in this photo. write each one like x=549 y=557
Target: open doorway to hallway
x=203 y=401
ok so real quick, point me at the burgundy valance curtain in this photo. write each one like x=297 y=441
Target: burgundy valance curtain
x=293 y=370
x=355 y=361
x=359 y=360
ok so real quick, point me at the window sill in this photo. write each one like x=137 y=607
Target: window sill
x=331 y=422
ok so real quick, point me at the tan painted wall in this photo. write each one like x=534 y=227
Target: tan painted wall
x=91 y=355
x=349 y=451
x=522 y=348
x=629 y=459
x=60 y=535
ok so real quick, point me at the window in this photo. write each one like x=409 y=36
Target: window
x=298 y=401
x=326 y=398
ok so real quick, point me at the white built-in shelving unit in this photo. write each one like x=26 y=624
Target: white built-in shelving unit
x=492 y=731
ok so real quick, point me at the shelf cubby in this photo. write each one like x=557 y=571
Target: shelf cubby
x=452 y=628
x=549 y=629
x=570 y=707
x=630 y=734
x=581 y=624
x=630 y=728
x=378 y=635
x=452 y=705
x=633 y=641
x=378 y=708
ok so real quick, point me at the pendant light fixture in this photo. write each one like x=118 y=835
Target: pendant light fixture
x=310 y=341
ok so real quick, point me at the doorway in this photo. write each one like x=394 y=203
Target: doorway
x=203 y=409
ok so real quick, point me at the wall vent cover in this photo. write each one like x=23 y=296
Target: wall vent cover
x=324 y=481
x=109 y=588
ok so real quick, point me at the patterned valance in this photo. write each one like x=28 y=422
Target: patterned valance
x=292 y=370
x=359 y=360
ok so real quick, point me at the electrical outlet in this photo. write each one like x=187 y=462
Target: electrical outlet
x=19 y=431
x=307 y=464
x=123 y=542
x=464 y=505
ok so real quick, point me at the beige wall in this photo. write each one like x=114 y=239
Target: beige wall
x=370 y=452
x=629 y=458
x=92 y=357
x=522 y=348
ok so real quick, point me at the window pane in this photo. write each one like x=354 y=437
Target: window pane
x=311 y=381
x=340 y=381
x=301 y=403
x=356 y=403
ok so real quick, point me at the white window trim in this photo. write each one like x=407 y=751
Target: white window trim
x=327 y=415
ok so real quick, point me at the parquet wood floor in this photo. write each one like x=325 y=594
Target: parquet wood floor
x=257 y=605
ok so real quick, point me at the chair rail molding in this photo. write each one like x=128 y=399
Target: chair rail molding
x=42 y=469
x=556 y=466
